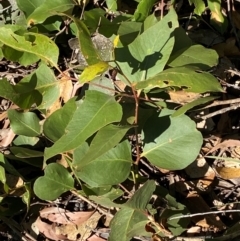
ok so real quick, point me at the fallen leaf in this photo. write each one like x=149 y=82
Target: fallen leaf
x=62 y=216
x=228 y=172
x=47 y=230
x=78 y=232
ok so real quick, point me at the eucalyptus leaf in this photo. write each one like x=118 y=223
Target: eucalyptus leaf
x=55 y=125
x=167 y=141
x=47 y=9
x=33 y=43
x=143 y=59
x=190 y=56
x=105 y=139
x=142 y=196
x=111 y=168
x=26 y=124
x=96 y=111
x=123 y=221
x=56 y=181
x=183 y=77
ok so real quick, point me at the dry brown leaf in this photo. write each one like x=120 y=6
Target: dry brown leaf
x=47 y=230
x=224 y=145
x=81 y=231
x=228 y=172
x=120 y=85
x=66 y=89
x=55 y=106
x=183 y=97
x=8 y=139
x=196 y=204
x=62 y=216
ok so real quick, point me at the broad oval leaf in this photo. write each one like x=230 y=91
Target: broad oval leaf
x=40 y=88
x=90 y=72
x=171 y=143
x=62 y=117
x=55 y=182
x=183 y=77
x=111 y=168
x=143 y=59
x=96 y=111
x=26 y=124
x=191 y=56
x=105 y=139
x=40 y=45
x=123 y=222
x=47 y=9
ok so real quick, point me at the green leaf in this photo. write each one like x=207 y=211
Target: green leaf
x=218 y=20
x=105 y=139
x=55 y=125
x=149 y=22
x=188 y=106
x=55 y=182
x=139 y=229
x=113 y=167
x=21 y=152
x=25 y=140
x=47 y=9
x=142 y=196
x=143 y=9
x=26 y=124
x=199 y=6
x=88 y=50
x=183 y=77
x=112 y=5
x=39 y=87
x=182 y=41
x=28 y=6
x=96 y=111
x=25 y=99
x=176 y=226
x=24 y=58
x=190 y=56
x=32 y=43
x=123 y=221
x=128 y=31
x=168 y=145
x=90 y=72
x=143 y=59
x=45 y=83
